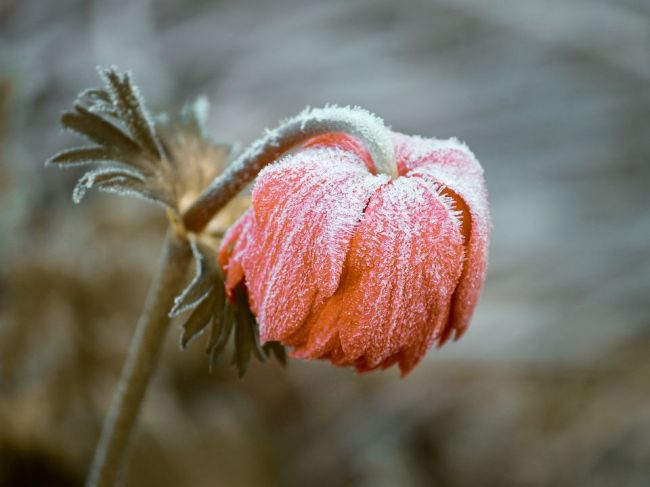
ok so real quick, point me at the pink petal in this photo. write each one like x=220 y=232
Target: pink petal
x=403 y=266
x=304 y=212
x=453 y=166
x=233 y=245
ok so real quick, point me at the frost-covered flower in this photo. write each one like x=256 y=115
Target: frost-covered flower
x=344 y=264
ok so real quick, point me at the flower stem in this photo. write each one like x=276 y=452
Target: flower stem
x=141 y=362
x=150 y=332
x=354 y=121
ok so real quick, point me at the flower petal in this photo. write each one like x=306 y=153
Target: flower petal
x=304 y=212
x=454 y=167
x=344 y=142
x=403 y=266
x=234 y=244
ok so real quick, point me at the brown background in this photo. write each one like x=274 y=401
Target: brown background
x=551 y=385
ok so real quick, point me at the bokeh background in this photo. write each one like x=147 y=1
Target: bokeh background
x=551 y=385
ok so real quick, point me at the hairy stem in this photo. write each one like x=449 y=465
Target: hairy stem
x=354 y=121
x=141 y=361
x=150 y=332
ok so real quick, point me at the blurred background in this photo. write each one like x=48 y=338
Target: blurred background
x=551 y=385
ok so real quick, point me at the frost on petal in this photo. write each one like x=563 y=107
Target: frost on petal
x=393 y=300
x=344 y=142
x=452 y=166
x=304 y=212
x=359 y=269
x=231 y=251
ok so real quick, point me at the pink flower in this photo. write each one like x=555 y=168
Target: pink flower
x=347 y=265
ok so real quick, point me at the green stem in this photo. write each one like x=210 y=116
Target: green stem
x=140 y=364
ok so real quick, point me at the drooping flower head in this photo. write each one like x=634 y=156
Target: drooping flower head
x=344 y=264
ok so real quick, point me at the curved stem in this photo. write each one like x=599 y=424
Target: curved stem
x=354 y=121
x=154 y=322
x=140 y=363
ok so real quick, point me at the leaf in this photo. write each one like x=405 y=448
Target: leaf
x=276 y=349
x=130 y=107
x=243 y=346
x=126 y=187
x=120 y=180
x=206 y=277
x=246 y=321
x=217 y=324
x=99 y=130
x=95 y=95
x=246 y=335
x=79 y=156
x=103 y=176
x=207 y=295
x=228 y=322
x=98 y=101
x=104 y=109
x=201 y=317
x=115 y=118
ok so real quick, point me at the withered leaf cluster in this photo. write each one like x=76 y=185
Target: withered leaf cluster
x=167 y=159
x=213 y=311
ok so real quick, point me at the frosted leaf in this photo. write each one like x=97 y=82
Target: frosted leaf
x=218 y=337
x=95 y=96
x=205 y=297
x=202 y=282
x=104 y=175
x=98 y=129
x=174 y=160
x=246 y=337
x=202 y=315
x=128 y=103
x=80 y=156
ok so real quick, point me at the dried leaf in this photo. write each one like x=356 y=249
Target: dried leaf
x=175 y=157
x=242 y=351
x=205 y=278
x=79 y=156
x=246 y=321
x=99 y=130
x=201 y=317
x=246 y=334
x=228 y=323
x=104 y=175
x=130 y=107
x=95 y=95
x=277 y=350
x=137 y=189
x=216 y=327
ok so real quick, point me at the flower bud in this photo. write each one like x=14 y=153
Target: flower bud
x=349 y=265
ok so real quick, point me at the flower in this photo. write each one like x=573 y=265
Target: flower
x=344 y=264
